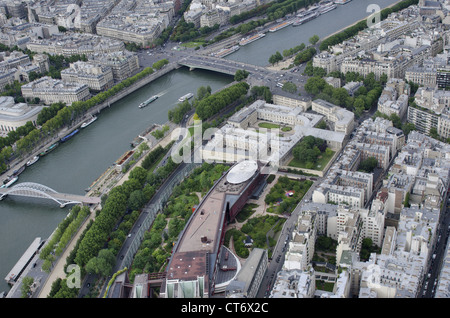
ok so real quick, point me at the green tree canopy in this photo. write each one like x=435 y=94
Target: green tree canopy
x=368 y=165
x=240 y=75
x=137 y=200
x=275 y=58
x=289 y=87
x=315 y=85
x=314 y=39
x=102 y=264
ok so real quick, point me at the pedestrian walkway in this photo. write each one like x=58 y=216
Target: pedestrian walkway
x=163 y=143
x=58 y=269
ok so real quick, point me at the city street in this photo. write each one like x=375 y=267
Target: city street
x=277 y=259
x=431 y=276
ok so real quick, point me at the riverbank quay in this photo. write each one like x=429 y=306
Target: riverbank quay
x=113 y=176
x=58 y=268
x=286 y=62
x=213 y=48
x=43 y=280
x=117 y=178
x=110 y=182
x=77 y=122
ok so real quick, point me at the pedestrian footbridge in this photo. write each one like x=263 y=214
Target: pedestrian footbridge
x=36 y=190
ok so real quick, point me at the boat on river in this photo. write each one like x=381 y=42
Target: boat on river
x=32 y=161
x=87 y=123
x=148 y=101
x=342 y=1
x=51 y=148
x=185 y=97
x=251 y=39
x=67 y=137
x=306 y=18
x=18 y=171
x=226 y=51
x=327 y=7
x=281 y=26
x=9 y=182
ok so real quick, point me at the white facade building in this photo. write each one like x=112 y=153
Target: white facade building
x=13 y=116
x=50 y=90
x=98 y=77
x=343 y=120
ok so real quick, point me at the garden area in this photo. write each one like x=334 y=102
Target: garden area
x=157 y=244
x=269 y=125
x=286 y=194
x=246 y=212
x=368 y=247
x=274 y=126
x=311 y=153
x=325 y=286
x=325 y=250
x=262 y=230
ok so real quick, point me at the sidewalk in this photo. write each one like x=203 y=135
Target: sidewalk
x=163 y=142
x=18 y=163
x=58 y=269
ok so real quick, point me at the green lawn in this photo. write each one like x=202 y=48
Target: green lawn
x=277 y=199
x=192 y=44
x=268 y=125
x=326 y=286
x=320 y=164
x=195 y=129
x=191 y=130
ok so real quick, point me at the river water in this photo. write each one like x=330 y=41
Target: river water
x=74 y=165
x=258 y=52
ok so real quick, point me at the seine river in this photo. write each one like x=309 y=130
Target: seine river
x=74 y=165
x=258 y=52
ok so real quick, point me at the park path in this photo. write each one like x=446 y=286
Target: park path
x=58 y=269
x=260 y=210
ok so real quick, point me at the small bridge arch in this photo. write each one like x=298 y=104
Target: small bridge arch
x=36 y=190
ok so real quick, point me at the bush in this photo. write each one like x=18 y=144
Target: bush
x=368 y=165
x=309 y=150
x=214 y=103
x=158 y=65
x=153 y=252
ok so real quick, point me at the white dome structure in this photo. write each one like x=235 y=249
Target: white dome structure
x=242 y=171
